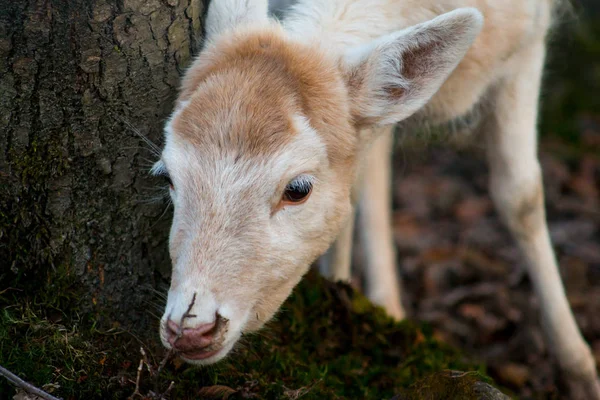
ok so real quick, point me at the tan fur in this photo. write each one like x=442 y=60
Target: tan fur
x=508 y=29
x=527 y=215
x=272 y=78
x=234 y=71
x=339 y=74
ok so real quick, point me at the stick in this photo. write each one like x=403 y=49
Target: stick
x=187 y=313
x=184 y=316
x=164 y=361
x=137 y=380
x=166 y=393
x=28 y=387
x=162 y=364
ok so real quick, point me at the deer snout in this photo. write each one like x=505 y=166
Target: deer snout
x=197 y=342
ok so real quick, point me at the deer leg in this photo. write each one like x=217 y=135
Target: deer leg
x=381 y=275
x=338 y=260
x=517 y=190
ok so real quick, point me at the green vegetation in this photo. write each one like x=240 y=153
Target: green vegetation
x=328 y=342
x=24 y=223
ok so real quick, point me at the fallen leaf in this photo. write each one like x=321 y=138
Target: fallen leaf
x=420 y=338
x=216 y=392
x=471 y=311
x=178 y=363
x=472 y=208
x=514 y=374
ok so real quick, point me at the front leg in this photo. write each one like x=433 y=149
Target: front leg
x=375 y=218
x=337 y=262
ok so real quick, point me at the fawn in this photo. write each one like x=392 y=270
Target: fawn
x=283 y=127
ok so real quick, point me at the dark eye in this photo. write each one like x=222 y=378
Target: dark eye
x=169 y=181
x=159 y=169
x=298 y=190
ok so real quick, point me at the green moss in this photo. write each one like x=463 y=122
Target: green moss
x=327 y=342
x=24 y=220
x=44 y=346
x=25 y=227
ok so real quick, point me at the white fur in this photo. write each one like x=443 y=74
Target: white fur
x=225 y=224
x=451 y=34
x=198 y=264
x=225 y=15
x=357 y=29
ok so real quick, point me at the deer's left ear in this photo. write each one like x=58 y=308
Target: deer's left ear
x=225 y=15
x=395 y=75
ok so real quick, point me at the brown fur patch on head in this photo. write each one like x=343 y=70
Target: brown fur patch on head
x=245 y=88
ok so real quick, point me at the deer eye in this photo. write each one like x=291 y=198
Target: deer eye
x=167 y=178
x=159 y=169
x=298 y=190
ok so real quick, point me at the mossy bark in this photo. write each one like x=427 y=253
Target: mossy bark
x=74 y=76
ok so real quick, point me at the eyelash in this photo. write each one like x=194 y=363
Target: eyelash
x=300 y=183
x=298 y=190
x=159 y=170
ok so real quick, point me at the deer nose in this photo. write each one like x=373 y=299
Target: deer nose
x=191 y=340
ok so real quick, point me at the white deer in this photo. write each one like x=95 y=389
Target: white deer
x=283 y=127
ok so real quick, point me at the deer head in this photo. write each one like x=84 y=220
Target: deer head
x=261 y=153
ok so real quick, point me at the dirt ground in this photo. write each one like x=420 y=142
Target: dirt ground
x=463 y=273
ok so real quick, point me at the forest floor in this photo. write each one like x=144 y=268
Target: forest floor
x=463 y=273
x=328 y=342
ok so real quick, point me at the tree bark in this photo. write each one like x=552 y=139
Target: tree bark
x=74 y=183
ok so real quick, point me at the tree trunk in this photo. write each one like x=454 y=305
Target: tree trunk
x=75 y=77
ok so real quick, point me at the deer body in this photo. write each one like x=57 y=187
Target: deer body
x=283 y=128
x=510 y=27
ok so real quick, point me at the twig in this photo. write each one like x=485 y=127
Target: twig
x=137 y=380
x=25 y=386
x=187 y=313
x=171 y=385
x=145 y=359
x=164 y=361
x=460 y=374
x=162 y=364
x=184 y=317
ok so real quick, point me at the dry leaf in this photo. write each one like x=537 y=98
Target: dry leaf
x=216 y=392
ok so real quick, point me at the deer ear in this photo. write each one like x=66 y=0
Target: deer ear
x=392 y=77
x=225 y=15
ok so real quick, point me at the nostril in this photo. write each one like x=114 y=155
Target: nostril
x=194 y=337
x=173 y=328
x=173 y=332
x=206 y=329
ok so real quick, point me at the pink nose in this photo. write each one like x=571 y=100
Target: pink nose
x=188 y=340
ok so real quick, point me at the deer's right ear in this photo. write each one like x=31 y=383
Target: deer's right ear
x=225 y=15
x=394 y=76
